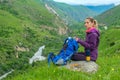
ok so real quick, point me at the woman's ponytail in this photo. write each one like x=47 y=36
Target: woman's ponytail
x=95 y=24
x=93 y=21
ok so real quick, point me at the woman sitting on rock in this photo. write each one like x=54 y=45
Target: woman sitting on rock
x=90 y=44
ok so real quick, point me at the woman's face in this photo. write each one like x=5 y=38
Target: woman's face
x=88 y=24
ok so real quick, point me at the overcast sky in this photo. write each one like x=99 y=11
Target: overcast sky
x=90 y=2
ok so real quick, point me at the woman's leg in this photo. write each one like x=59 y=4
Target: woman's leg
x=78 y=56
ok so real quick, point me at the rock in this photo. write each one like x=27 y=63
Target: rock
x=37 y=56
x=5 y=75
x=84 y=66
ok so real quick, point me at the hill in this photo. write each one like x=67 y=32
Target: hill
x=70 y=13
x=110 y=17
x=110 y=42
x=102 y=8
x=108 y=61
x=25 y=25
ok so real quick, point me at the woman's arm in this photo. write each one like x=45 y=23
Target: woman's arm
x=91 y=44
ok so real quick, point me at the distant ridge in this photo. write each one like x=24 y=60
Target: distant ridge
x=102 y=8
x=110 y=17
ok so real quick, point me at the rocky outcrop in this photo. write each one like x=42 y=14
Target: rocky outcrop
x=62 y=31
x=84 y=66
x=5 y=75
x=20 y=49
x=51 y=9
x=37 y=56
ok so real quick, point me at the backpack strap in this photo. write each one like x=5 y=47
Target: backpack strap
x=50 y=57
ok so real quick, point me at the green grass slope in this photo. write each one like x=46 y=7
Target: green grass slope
x=108 y=61
x=28 y=25
x=110 y=42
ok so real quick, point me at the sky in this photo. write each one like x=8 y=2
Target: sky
x=90 y=2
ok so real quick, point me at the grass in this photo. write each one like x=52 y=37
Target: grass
x=108 y=70
x=28 y=24
x=108 y=61
x=110 y=42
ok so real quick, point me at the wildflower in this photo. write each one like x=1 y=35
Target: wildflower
x=54 y=71
x=113 y=69
x=99 y=75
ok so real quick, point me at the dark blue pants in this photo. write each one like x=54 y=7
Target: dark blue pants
x=78 y=56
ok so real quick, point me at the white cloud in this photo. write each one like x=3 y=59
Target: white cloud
x=117 y=3
x=90 y=2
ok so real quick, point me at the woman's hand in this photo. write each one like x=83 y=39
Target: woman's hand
x=76 y=38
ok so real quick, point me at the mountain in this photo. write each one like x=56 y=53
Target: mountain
x=25 y=25
x=110 y=17
x=102 y=8
x=70 y=13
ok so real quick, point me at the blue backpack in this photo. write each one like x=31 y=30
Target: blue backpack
x=70 y=46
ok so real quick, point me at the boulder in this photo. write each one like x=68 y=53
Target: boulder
x=84 y=66
x=37 y=56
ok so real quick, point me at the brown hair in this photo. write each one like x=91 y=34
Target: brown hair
x=93 y=21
